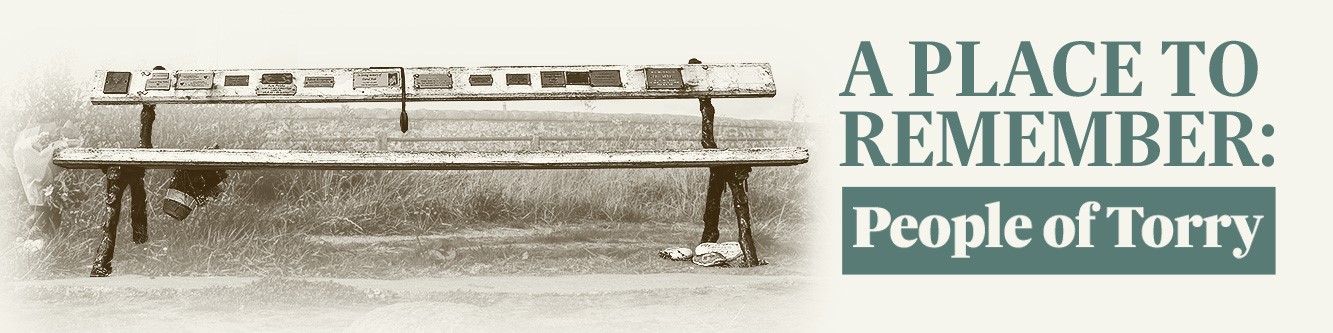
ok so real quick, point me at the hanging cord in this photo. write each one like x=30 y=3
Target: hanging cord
x=402 y=96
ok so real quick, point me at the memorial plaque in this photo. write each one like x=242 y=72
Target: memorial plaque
x=265 y=89
x=518 y=79
x=374 y=79
x=663 y=78
x=434 y=81
x=116 y=83
x=577 y=78
x=553 y=79
x=276 y=78
x=236 y=80
x=194 y=81
x=158 y=81
x=318 y=82
x=480 y=80
x=605 y=78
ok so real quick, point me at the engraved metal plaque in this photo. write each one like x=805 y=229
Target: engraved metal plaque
x=266 y=89
x=194 y=81
x=553 y=79
x=374 y=79
x=480 y=80
x=276 y=78
x=434 y=81
x=158 y=81
x=236 y=80
x=605 y=78
x=318 y=82
x=518 y=79
x=116 y=83
x=663 y=78
x=577 y=78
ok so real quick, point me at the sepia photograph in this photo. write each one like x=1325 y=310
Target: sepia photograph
x=254 y=183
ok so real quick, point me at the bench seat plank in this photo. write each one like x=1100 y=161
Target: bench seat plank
x=336 y=85
x=233 y=159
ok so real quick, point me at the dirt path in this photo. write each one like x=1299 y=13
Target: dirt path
x=712 y=301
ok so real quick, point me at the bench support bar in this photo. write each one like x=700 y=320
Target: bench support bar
x=720 y=178
x=118 y=179
x=741 y=201
x=713 y=204
x=736 y=179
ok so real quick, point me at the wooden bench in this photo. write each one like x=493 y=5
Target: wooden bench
x=728 y=168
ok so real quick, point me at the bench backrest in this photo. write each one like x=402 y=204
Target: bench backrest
x=393 y=84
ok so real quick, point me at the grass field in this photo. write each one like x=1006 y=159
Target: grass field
x=399 y=224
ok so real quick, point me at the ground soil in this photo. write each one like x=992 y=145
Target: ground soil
x=707 y=300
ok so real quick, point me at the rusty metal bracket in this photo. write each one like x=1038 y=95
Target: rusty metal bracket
x=116 y=180
x=138 y=199
x=119 y=179
x=719 y=179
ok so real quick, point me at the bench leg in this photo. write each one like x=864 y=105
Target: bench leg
x=713 y=205
x=115 y=190
x=739 y=198
x=717 y=177
x=138 y=205
x=138 y=210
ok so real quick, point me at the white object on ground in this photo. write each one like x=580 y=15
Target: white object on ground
x=715 y=254
x=676 y=253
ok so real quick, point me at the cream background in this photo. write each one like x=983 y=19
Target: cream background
x=811 y=46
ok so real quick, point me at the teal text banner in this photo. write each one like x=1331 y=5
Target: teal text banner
x=1059 y=230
